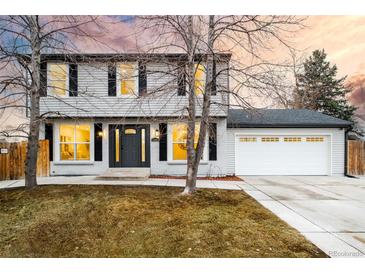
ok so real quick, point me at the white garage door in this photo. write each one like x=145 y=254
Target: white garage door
x=282 y=155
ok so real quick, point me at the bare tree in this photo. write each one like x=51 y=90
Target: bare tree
x=22 y=41
x=282 y=93
x=202 y=38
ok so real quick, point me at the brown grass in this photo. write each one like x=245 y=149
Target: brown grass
x=115 y=221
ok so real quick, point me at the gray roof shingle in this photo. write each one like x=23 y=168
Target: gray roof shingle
x=282 y=118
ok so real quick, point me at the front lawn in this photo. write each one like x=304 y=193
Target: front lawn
x=115 y=221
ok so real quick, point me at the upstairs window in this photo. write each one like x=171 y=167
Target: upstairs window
x=57 y=79
x=199 y=83
x=128 y=79
x=74 y=142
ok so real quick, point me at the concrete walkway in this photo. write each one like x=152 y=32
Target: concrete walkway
x=329 y=211
x=90 y=180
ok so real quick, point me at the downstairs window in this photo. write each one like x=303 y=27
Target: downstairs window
x=179 y=137
x=74 y=142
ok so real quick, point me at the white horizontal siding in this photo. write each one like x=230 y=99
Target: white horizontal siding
x=161 y=100
x=206 y=168
x=82 y=106
x=214 y=168
x=337 y=143
x=93 y=80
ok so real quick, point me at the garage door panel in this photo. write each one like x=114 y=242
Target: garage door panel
x=290 y=157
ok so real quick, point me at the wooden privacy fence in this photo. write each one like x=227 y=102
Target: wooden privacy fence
x=355 y=157
x=12 y=163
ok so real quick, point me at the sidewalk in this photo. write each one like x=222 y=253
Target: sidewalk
x=90 y=180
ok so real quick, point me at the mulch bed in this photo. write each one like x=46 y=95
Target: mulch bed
x=224 y=178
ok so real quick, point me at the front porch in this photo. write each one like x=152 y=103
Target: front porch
x=110 y=143
x=125 y=174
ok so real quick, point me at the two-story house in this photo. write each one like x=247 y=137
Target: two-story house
x=108 y=111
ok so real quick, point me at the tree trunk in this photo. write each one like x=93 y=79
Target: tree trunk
x=191 y=169
x=197 y=153
x=32 y=152
x=34 y=123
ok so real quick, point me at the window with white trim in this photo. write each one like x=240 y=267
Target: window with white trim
x=247 y=139
x=292 y=139
x=269 y=139
x=179 y=137
x=127 y=79
x=74 y=142
x=57 y=79
x=200 y=78
x=315 y=139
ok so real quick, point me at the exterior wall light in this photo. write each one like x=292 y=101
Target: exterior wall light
x=156 y=135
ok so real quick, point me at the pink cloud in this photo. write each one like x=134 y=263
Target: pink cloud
x=357 y=96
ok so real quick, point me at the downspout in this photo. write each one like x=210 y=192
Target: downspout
x=346 y=156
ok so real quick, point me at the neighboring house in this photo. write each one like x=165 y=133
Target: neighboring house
x=120 y=111
x=359 y=128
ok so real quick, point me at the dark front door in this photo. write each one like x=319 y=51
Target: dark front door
x=129 y=146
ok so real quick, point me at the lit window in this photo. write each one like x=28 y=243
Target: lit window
x=143 y=145
x=117 y=145
x=248 y=139
x=199 y=84
x=127 y=78
x=74 y=142
x=129 y=131
x=314 y=139
x=179 y=137
x=292 y=139
x=57 y=79
x=270 y=139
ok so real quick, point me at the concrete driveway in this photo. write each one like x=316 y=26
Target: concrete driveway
x=329 y=211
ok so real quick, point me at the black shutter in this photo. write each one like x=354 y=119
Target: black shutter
x=72 y=76
x=142 y=79
x=48 y=135
x=43 y=79
x=98 y=142
x=213 y=142
x=163 y=142
x=214 y=79
x=112 y=80
x=181 y=81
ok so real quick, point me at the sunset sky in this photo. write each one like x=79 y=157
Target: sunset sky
x=342 y=37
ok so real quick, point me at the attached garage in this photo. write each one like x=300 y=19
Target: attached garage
x=285 y=142
x=282 y=154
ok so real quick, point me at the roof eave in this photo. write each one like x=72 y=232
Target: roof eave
x=112 y=57
x=230 y=125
